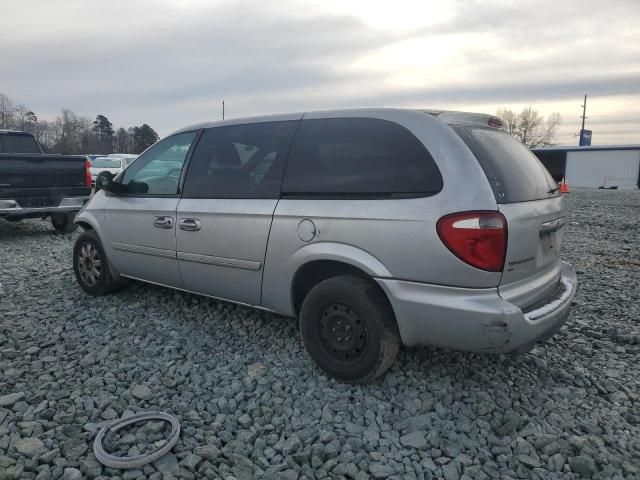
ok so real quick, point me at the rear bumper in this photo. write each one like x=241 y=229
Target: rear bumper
x=476 y=320
x=11 y=208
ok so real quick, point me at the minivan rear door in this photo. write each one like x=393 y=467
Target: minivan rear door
x=529 y=199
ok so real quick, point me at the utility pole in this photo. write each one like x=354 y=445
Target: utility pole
x=585 y=135
x=223 y=111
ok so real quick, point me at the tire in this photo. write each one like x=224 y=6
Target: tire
x=63 y=222
x=88 y=246
x=349 y=329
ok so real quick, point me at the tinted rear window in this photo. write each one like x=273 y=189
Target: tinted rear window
x=515 y=174
x=18 y=144
x=107 y=163
x=359 y=157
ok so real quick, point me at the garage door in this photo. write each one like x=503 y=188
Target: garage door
x=603 y=167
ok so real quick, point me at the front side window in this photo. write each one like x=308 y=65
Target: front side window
x=157 y=171
x=359 y=157
x=240 y=161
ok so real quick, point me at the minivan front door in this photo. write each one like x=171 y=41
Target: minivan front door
x=230 y=192
x=140 y=223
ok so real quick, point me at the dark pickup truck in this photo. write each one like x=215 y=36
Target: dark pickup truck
x=37 y=185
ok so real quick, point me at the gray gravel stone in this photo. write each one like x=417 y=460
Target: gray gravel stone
x=11 y=398
x=141 y=392
x=379 y=470
x=167 y=464
x=251 y=405
x=582 y=465
x=414 y=440
x=30 y=447
x=71 y=474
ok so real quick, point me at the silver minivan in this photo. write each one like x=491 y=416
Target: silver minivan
x=373 y=227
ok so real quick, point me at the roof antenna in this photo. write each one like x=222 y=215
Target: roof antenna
x=222 y=109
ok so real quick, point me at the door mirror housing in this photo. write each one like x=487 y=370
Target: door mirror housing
x=104 y=181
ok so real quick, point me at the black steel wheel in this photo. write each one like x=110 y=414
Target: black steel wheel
x=349 y=329
x=342 y=333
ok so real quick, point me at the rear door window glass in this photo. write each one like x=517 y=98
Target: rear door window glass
x=359 y=157
x=515 y=174
x=106 y=163
x=16 y=143
x=240 y=161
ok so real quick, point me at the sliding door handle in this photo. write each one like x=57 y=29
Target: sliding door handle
x=163 y=222
x=189 y=224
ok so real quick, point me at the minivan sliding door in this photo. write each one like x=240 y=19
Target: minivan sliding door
x=230 y=192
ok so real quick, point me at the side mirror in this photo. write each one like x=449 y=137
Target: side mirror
x=104 y=181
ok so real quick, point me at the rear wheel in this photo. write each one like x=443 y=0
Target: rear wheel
x=91 y=266
x=63 y=222
x=349 y=329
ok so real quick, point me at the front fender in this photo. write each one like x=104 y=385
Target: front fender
x=91 y=215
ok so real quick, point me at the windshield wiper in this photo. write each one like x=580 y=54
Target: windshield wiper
x=553 y=190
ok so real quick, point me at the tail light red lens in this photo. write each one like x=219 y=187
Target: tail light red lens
x=477 y=238
x=87 y=173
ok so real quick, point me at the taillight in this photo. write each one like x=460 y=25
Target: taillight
x=87 y=173
x=477 y=238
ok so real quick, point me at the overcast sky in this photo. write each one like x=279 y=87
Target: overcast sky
x=170 y=63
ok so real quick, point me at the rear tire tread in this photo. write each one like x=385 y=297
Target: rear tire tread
x=380 y=321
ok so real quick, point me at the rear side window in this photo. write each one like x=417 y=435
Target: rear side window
x=359 y=157
x=240 y=161
x=18 y=144
x=515 y=174
x=106 y=163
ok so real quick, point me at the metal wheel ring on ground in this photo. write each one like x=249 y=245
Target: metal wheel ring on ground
x=138 y=460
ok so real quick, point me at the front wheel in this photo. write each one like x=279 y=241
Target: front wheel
x=91 y=266
x=63 y=222
x=349 y=329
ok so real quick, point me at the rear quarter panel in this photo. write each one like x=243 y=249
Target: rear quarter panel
x=386 y=238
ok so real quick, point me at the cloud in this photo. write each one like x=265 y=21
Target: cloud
x=170 y=63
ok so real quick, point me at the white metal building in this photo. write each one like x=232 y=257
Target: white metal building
x=594 y=166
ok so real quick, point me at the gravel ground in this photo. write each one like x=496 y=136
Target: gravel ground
x=251 y=404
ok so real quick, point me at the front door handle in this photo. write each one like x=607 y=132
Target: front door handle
x=189 y=224
x=163 y=222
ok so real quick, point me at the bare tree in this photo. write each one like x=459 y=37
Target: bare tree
x=529 y=127
x=7 y=112
x=73 y=134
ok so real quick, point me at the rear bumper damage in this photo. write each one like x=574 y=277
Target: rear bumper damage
x=477 y=320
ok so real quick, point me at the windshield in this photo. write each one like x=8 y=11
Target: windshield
x=18 y=143
x=515 y=174
x=106 y=163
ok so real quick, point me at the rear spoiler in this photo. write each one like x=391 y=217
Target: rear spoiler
x=469 y=118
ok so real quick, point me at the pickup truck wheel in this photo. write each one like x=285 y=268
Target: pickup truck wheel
x=63 y=222
x=349 y=329
x=91 y=266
